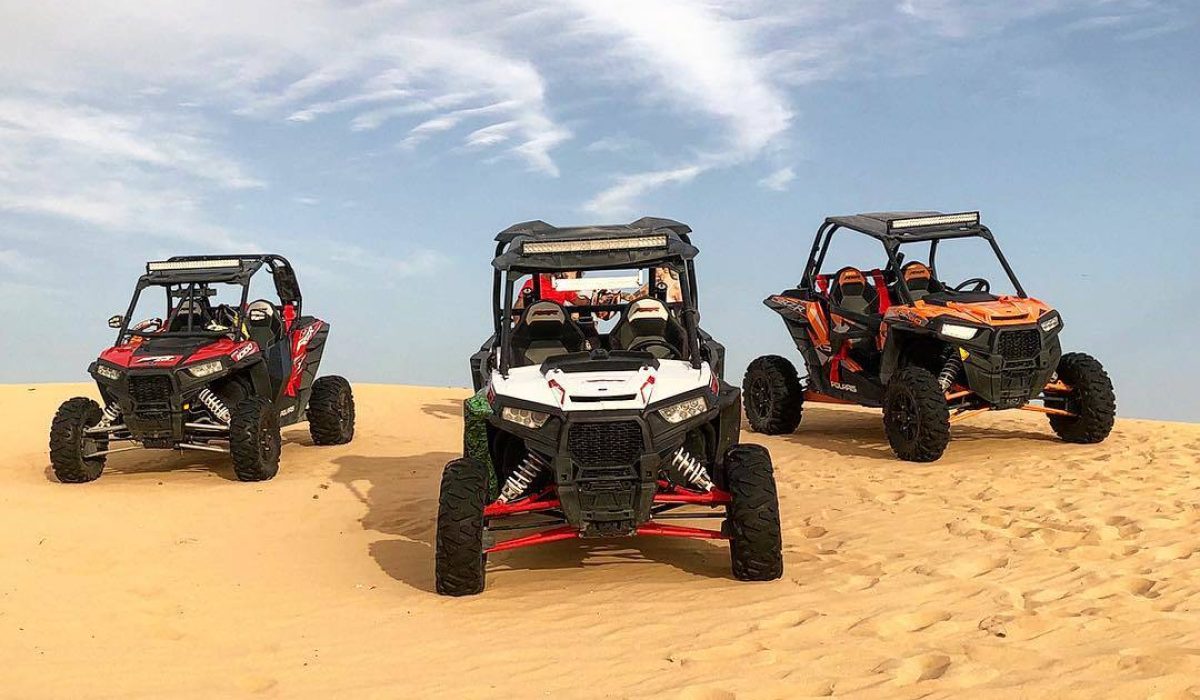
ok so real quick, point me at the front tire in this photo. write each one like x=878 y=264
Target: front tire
x=772 y=395
x=69 y=443
x=1091 y=400
x=915 y=416
x=755 y=540
x=460 y=562
x=254 y=440
x=331 y=411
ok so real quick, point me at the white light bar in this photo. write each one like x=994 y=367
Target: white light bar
x=169 y=265
x=593 y=244
x=968 y=219
x=591 y=284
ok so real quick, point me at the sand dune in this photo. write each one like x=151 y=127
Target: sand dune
x=1017 y=566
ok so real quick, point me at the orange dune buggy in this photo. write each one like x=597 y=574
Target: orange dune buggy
x=928 y=354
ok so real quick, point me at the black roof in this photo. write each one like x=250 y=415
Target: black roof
x=878 y=225
x=511 y=253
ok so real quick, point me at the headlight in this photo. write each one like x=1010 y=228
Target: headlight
x=205 y=368
x=108 y=372
x=523 y=416
x=1049 y=324
x=953 y=330
x=677 y=413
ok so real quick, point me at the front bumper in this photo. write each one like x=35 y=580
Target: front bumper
x=155 y=404
x=1016 y=366
x=606 y=465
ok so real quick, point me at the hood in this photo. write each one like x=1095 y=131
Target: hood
x=163 y=353
x=1002 y=311
x=602 y=390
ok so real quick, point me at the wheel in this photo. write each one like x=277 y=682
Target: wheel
x=772 y=395
x=460 y=561
x=70 y=445
x=915 y=416
x=755 y=541
x=1091 y=400
x=331 y=411
x=254 y=440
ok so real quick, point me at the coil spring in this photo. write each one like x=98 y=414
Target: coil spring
x=111 y=413
x=949 y=372
x=691 y=469
x=517 y=482
x=214 y=404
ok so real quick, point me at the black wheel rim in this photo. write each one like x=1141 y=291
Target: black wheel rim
x=760 y=396
x=904 y=416
x=266 y=440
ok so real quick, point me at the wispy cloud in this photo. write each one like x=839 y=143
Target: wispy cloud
x=620 y=199
x=778 y=180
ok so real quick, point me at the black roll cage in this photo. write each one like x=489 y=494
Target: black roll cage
x=891 y=245
x=195 y=283
x=504 y=278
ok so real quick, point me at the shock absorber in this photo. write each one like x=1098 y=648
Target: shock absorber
x=111 y=413
x=691 y=469
x=214 y=404
x=950 y=371
x=518 y=482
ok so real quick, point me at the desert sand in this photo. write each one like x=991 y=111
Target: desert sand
x=1017 y=566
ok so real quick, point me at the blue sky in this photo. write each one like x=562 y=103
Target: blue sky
x=381 y=145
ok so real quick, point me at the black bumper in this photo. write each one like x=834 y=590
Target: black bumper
x=1016 y=367
x=606 y=464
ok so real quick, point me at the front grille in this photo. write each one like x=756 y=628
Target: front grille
x=605 y=444
x=151 y=394
x=1019 y=346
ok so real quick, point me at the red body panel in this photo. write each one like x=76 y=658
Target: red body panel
x=135 y=355
x=300 y=340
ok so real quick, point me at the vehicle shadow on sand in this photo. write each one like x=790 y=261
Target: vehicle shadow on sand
x=143 y=461
x=860 y=433
x=401 y=497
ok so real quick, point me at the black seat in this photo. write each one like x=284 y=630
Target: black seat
x=647 y=325
x=544 y=331
x=919 y=280
x=189 y=312
x=850 y=292
x=263 y=323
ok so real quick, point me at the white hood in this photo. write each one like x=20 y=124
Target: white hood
x=602 y=391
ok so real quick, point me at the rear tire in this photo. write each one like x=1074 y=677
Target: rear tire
x=772 y=395
x=1091 y=399
x=755 y=540
x=254 y=440
x=69 y=442
x=331 y=411
x=460 y=562
x=915 y=416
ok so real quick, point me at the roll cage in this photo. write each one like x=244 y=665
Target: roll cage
x=189 y=276
x=534 y=248
x=894 y=229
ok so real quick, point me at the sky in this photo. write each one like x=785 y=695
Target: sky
x=381 y=145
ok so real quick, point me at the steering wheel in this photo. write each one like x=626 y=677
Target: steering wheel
x=645 y=345
x=980 y=285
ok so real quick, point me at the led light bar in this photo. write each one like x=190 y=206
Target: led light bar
x=169 y=265
x=593 y=244
x=970 y=218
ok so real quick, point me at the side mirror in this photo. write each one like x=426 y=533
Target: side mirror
x=116 y=321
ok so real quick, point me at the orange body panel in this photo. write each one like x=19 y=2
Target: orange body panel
x=1005 y=311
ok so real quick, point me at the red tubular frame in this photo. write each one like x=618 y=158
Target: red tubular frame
x=668 y=494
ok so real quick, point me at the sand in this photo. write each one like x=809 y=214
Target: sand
x=1017 y=566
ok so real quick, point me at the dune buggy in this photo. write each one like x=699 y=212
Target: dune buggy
x=928 y=353
x=217 y=373
x=580 y=429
